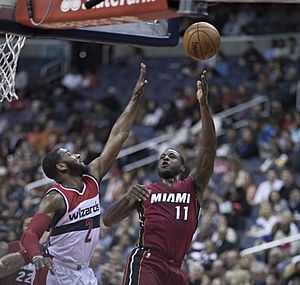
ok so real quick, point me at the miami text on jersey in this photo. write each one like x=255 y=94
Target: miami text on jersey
x=171 y=197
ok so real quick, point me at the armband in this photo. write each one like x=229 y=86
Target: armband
x=30 y=238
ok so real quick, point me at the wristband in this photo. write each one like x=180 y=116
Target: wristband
x=31 y=236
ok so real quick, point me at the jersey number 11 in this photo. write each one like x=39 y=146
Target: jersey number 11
x=185 y=212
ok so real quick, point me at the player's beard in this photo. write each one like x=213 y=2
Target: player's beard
x=77 y=168
x=166 y=173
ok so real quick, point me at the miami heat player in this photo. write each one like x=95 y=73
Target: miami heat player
x=15 y=267
x=71 y=208
x=168 y=209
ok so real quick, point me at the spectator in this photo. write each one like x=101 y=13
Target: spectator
x=247 y=145
x=251 y=54
x=207 y=256
x=285 y=227
x=289 y=183
x=264 y=223
x=265 y=141
x=217 y=269
x=231 y=259
x=278 y=204
x=274 y=258
x=292 y=271
x=258 y=273
x=195 y=273
x=293 y=49
x=231 y=28
x=272 y=183
x=111 y=101
x=237 y=277
x=281 y=51
x=272 y=279
x=221 y=241
x=246 y=262
x=153 y=114
x=294 y=202
x=245 y=183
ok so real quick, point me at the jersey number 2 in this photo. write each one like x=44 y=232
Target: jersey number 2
x=185 y=212
x=89 y=223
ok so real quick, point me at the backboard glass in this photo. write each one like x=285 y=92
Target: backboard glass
x=163 y=32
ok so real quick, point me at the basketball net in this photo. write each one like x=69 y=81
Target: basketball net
x=9 y=55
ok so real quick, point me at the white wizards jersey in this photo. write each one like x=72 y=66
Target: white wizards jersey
x=74 y=237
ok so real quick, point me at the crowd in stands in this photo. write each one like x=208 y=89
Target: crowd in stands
x=234 y=19
x=254 y=195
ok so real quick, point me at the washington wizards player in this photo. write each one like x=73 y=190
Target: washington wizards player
x=71 y=208
x=168 y=209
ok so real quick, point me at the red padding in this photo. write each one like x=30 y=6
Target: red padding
x=30 y=238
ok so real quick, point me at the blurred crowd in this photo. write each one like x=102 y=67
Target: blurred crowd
x=234 y=19
x=253 y=197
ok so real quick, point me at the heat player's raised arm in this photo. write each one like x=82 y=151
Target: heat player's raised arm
x=207 y=141
x=120 y=131
x=125 y=206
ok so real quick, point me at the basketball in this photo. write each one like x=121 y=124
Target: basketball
x=201 y=41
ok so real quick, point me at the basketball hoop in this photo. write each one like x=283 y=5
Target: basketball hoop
x=9 y=55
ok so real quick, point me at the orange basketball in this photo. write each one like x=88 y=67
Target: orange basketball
x=201 y=41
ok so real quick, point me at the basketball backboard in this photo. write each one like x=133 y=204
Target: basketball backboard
x=122 y=22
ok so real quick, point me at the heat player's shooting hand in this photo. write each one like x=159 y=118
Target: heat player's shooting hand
x=137 y=193
x=202 y=89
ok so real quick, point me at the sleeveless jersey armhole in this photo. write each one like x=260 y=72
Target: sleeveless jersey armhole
x=94 y=179
x=58 y=216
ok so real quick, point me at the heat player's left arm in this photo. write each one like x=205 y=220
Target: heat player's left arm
x=118 y=211
x=125 y=206
x=207 y=140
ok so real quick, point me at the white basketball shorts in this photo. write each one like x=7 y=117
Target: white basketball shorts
x=68 y=276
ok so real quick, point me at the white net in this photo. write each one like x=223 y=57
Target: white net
x=9 y=55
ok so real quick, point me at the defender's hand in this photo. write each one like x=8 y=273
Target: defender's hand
x=141 y=83
x=40 y=262
x=138 y=192
x=202 y=89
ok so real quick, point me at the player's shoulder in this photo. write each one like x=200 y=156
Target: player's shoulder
x=90 y=177
x=53 y=199
x=187 y=180
x=53 y=194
